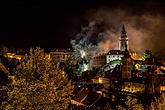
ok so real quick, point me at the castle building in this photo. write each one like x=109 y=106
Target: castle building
x=123 y=46
x=126 y=66
x=113 y=57
x=120 y=57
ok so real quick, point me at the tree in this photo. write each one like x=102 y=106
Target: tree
x=131 y=104
x=159 y=104
x=39 y=84
x=147 y=55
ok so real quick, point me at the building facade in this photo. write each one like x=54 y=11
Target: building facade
x=60 y=55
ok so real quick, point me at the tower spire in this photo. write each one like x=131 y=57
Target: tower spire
x=123 y=39
x=123 y=32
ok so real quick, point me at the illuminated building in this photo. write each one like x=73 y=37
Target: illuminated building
x=126 y=66
x=60 y=55
x=128 y=75
x=115 y=57
x=162 y=83
x=144 y=68
x=14 y=55
x=135 y=56
x=110 y=81
x=133 y=87
x=98 y=61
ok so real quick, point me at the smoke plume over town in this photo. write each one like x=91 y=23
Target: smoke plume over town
x=144 y=30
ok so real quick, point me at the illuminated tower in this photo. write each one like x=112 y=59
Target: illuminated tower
x=123 y=40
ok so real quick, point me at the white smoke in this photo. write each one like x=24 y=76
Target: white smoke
x=82 y=45
x=83 y=48
x=144 y=31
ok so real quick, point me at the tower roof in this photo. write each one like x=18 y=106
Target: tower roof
x=123 y=39
x=123 y=32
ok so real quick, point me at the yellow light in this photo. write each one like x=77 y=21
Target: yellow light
x=100 y=80
x=19 y=58
x=162 y=67
x=10 y=56
x=137 y=66
x=135 y=56
x=162 y=88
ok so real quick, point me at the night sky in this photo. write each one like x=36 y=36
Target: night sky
x=25 y=24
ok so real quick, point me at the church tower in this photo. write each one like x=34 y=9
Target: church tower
x=123 y=40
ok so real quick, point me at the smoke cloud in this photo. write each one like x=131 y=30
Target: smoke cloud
x=144 y=31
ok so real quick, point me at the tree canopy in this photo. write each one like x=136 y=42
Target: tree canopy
x=38 y=84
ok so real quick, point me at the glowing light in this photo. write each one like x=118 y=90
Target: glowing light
x=100 y=92
x=83 y=54
x=19 y=58
x=76 y=103
x=13 y=55
x=162 y=88
x=158 y=70
x=137 y=66
x=133 y=87
x=113 y=57
x=135 y=56
x=10 y=56
x=85 y=67
x=162 y=67
x=100 y=80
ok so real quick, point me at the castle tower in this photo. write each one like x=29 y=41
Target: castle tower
x=126 y=66
x=123 y=45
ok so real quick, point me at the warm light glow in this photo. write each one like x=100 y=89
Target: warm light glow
x=133 y=87
x=13 y=78
x=10 y=56
x=76 y=103
x=162 y=88
x=135 y=56
x=13 y=55
x=158 y=70
x=100 y=80
x=162 y=67
x=137 y=66
x=100 y=92
x=19 y=58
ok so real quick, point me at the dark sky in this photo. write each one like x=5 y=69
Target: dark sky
x=52 y=24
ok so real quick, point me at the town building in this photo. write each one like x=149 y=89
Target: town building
x=126 y=75
x=60 y=55
x=98 y=61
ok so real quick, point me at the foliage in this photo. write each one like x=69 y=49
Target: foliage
x=39 y=84
x=146 y=55
x=131 y=104
x=159 y=104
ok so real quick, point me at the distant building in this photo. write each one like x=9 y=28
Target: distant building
x=114 y=55
x=162 y=83
x=126 y=66
x=110 y=81
x=133 y=87
x=61 y=55
x=147 y=66
x=14 y=55
x=98 y=61
x=123 y=73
